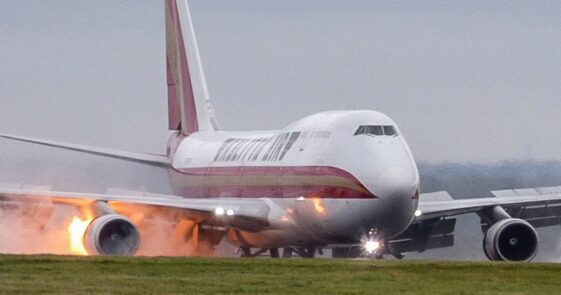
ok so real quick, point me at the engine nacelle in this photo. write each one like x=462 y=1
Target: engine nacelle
x=112 y=234
x=511 y=240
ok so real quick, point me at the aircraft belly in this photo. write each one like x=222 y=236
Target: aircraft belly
x=320 y=222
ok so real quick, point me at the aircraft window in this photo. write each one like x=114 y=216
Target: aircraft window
x=389 y=130
x=361 y=130
x=376 y=130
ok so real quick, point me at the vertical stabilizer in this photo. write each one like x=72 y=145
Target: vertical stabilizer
x=188 y=103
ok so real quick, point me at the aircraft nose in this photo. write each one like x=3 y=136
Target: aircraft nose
x=396 y=182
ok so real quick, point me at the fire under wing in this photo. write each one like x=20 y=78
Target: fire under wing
x=434 y=224
x=250 y=215
x=432 y=228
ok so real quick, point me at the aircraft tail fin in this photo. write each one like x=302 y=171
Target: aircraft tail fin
x=189 y=106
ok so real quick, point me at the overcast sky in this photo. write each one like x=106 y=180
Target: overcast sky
x=465 y=80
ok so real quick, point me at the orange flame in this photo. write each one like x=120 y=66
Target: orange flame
x=318 y=204
x=77 y=230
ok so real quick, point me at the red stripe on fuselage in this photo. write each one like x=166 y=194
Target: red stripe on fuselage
x=272 y=182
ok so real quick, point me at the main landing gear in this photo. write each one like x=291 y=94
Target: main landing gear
x=288 y=252
x=370 y=249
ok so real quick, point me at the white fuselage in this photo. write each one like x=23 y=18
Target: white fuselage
x=326 y=179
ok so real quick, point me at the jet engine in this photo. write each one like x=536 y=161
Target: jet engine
x=112 y=234
x=511 y=240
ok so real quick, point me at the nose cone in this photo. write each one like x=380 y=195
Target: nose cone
x=396 y=182
x=396 y=188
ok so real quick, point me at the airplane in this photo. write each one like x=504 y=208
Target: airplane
x=340 y=180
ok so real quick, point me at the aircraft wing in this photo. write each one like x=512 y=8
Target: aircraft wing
x=545 y=200
x=148 y=159
x=249 y=215
x=435 y=222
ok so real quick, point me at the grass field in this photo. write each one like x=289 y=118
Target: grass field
x=69 y=275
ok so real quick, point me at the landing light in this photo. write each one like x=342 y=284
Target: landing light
x=418 y=213
x=219 y=211
x=371 y=246
x=230 y=212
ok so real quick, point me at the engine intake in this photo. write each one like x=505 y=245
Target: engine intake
x=112 y=234
x=511 y=240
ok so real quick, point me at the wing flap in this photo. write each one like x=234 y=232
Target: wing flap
x=544 y=222
x=436 y=242
x=425 y=235
x=537 y=216
x=552 y=190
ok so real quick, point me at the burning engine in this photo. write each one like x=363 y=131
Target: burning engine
x=112 y=234
x=511 y=240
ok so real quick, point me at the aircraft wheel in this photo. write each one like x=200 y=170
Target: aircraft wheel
x=274 y=252
x=287 y=252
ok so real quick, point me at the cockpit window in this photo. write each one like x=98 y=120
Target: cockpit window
x=361 y=130
x=389 y=130
x=376 y=130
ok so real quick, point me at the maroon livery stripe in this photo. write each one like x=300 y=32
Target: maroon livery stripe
x=271 y=182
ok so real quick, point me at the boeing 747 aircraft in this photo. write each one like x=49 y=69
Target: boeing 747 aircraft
x=344 y=180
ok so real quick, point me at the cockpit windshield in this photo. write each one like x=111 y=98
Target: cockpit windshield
x=376 y=130
x=389 y=130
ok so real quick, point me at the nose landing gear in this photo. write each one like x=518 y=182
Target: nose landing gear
x=377 y=248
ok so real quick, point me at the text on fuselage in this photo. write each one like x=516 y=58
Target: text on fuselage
x=267 y=149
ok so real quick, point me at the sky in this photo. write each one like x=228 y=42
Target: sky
x=473 y=81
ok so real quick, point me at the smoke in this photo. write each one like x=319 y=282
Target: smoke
x=43 y=228
x=170 y=232
x=165 y=232
x=35 y=229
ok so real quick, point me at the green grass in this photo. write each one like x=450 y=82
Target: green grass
x=70 y=275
